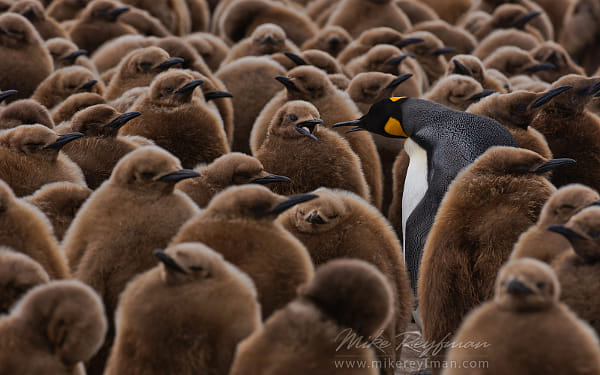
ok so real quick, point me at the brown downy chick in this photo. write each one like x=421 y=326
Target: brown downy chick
x=386 y=58
x=457 y=92
x=357 y=16
x=25 y=112
x=580 y=33
x=321 y=60
x=266 y=39
x=430 y=54
x=470 y=65
x=75 y=103
x=367 y=88
x=61 y=324
x=176 y=46
x=338 y=225
x=199 y=11
x=505 y=38
x=174 y=15
x=144 y=23
x=509 y=16
x=211 y=48
x=416 y=11
x=526 y=328
x=151 y=315
x=331 y=39
x=516 y=111
x=26 y=230
x=31 y=158
x=60 y=202
x=110 y=54
x=545 y=245
x=347 y=298
x=555 y=54
x=64 y=83
x=572 y=131
x=98 y=23
x=34 y=11
x=65 y=10
x=18 y=274
x=239 y=223
x=450 y=35
x=450 y=12
x=25 y=60
x=312 y=84
x=513 y=61
x=372 y=37
x=99 y=150
x=577 y=269
x=230 y=169
x=250 y=80
x=138 y=69
x=65 y=53
x=487 y=206
x=106 y=248
x=296 y=146
x=179 y=121
x=242 y=17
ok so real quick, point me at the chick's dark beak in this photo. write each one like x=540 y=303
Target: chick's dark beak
x=179 y=175
x=62 y=140
x=168 y=261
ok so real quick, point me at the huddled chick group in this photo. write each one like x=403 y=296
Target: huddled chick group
x=269 y=187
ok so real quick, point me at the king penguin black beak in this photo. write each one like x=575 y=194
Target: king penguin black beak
x=179 y=175
x=310 y=124
x=553 y=164
x=541 y=66
x=217 y=94
x=62 y=140
x=483 y=94
x=295 y=58
x=444 y=50
x=549 y=95
x=168 y=261
x=346 y=123
x=459 y=68
x=291 y=202
x=169 y=63
x=398 y=80
x=521 y=22
x=566 y=232
x=314 y=218
x=409 y=41
x=398 y=59
x=89 y=84
x=73 y=55
x=117 y=12
x=270 y=178
x=287 y=83
x=190 y=86
x=7 y=93
x=517 y=288
x=122 y=120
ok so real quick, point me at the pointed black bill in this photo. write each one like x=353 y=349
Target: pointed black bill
x=307 y=127
x=553 y=164
x=271 y=178
x=398 y=80
x=517 y=288
x=217 y=95
x=521 y=22
x=287 y=83
x=358 y=128
x=295 y=58
x=169 y=63
x=482 y=94
x=179 y=175
x=73 y=55
x=549 y=95
x=541 y=66
x=89 y=84
x=409 y=41
x=593 y=90
x=444 y=50
x=7 y=93
x=566 y=232
x=122 y=120
x=62 y=140
x=190 y=86
x=346 y=123
x=314 y=218
x=398 y=59
x=168 y=261
x=29 y=13
x=459 y=68
x=291 y=202
x=117 y=12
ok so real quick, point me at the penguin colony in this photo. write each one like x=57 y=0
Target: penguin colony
x=280 y=187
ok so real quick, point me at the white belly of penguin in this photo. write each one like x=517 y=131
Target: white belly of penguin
x=415 y=185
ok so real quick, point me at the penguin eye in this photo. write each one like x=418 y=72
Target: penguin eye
x=540 y=285
x=594 y=234
x=13 y=31
x=333 y=216
x=196 y=268
x=147 y=175
x=169 y=90
x=146 y=65
x=293 y=117
x=34 y=144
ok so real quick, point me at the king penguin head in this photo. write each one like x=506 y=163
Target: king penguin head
x=384 y=118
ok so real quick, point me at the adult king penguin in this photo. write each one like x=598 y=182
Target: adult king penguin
x=441 y=142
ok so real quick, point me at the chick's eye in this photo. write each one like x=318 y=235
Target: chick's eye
x=169 y=90
x=293 y=117
x=333 y=216
x=595 y=234
x=33 y=144
x=14 y=31
x=146 y=65
x=147 y=175
x=540 y=285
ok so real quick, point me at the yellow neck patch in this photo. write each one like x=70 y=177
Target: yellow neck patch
x=393 y=127
x=396 y=98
